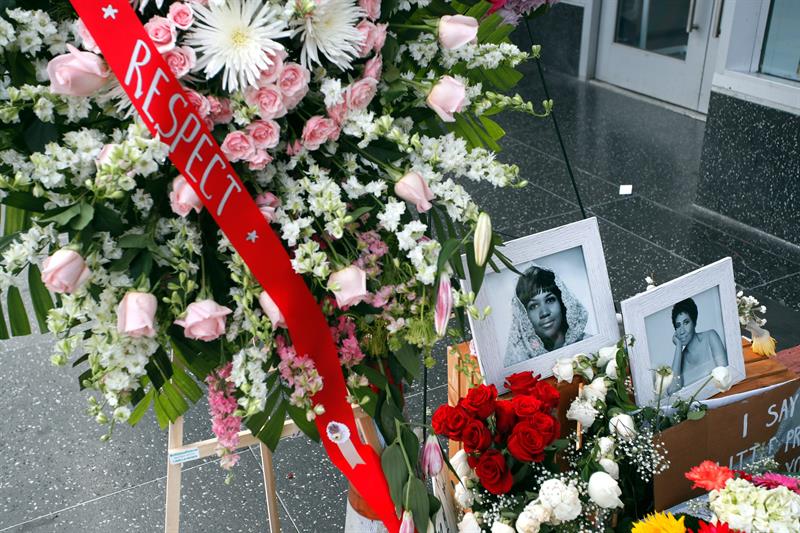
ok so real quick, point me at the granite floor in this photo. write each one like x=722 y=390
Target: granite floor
x=57 y=476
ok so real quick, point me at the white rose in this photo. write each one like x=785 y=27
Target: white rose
x=527 y=523
x=463 y=496
x=562 y=500
x=605 y=355
x=584 y=412
x=605 y=446
x=721 y=378
x=583 y=366
x=604 y=491
x=469 y=524
x=611 y=369
x=500 y=527
x=564 y=370
x=596 y=390
x=623 y=426
x=461 y=466
x=610 y=466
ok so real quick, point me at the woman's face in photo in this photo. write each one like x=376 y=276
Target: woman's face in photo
x=544 y=312
x=684 y=328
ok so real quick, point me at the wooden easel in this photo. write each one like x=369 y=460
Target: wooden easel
x=181 y=452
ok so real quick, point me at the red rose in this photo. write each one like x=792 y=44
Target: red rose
x=505 y=418
x=449 y=421
x=476 y=436
x=480 y=401
x=472 y=460
x=493 y=472
x=526 y=406
x=547 y=425
x=548 y=395
x=527 y=443
x=522 y=383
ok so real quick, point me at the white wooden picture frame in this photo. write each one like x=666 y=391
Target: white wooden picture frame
x=578 y=250
x=709 y=282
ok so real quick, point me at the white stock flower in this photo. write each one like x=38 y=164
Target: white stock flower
x=564 y=369
x=583 y=411
x=237 y=36
x=604 y=491
x=623 y=426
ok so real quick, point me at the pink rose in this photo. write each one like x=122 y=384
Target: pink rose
x=371 y=7
x=88 y=41
x=265 y=133
x=361 y=93
x=136 y=314
x=64 y=271
x=270 y=74
x=77 y=73
x=271 y=310
x=447 y=97
x=457 y=30
x=268 y=99
x=374 y=67
x=319 y=130
x=182 y=198
x=221 y=112
x=259 y=160
x=200 y=102
x=181 y=60
x=162 y=32
x=338 y=113
x=267 y=203
x=293 y=83
x=238 y=146
x=181 y=15
x=367 y=31
x=204 y=320
x=413 y=188
x=349 y=285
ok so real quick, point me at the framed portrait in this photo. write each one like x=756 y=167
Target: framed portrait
x=557 y=304
x=690 y=324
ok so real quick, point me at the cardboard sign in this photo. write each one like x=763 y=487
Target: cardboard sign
x=731 y=435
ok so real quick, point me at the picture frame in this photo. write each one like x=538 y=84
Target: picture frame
x=646 y=315
x=505 y=343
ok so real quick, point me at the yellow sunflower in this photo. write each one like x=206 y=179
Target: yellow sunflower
x=659 y=523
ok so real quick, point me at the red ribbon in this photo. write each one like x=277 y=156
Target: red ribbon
x=164 y=107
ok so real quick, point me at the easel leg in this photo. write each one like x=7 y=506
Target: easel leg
x=271 y=489
x=173 y=503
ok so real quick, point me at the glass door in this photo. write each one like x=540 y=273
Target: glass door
x=656 y=47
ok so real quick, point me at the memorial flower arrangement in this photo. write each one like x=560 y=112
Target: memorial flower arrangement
x=351 y=123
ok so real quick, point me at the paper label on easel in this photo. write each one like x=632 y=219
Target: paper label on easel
x=184 y=456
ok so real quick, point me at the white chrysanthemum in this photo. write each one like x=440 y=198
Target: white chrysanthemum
x=329 y=27
x=239 y=36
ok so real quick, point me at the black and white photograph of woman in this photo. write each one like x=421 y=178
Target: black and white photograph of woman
x=696 y=353
x=550 y=306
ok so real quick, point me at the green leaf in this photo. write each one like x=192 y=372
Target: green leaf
x=449 y=248
x=199 y=357
x=409 y=358
x=61 y=216
x=360 y=211
x=38 y=134
x=492 y=128
x=24 y=200
x=124 y=262
x=160 y=409
x=394 y=467
x=410 y=445
x=374 y=376
x=476 y=272
x=134 y=240
x=141 y=408
x=270 y=434
x=299 y=417
x=17 y=317
x=186 y=384
x=84 y=217
x=40 y=296
x=16 y=220
x=175 y=398
x=106 y=219
x=696 y=415
x=3 y=328
x=388 y=412
x=418 y=502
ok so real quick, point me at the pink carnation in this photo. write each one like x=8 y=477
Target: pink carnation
x=200 y=102
x=374 y=67
x=181 y=60
x=268 y=99
x=259 y=160
x=181 y=15
x=270 y=74
x=162 y=32
x=238 y=146
x=265 y=133
x=317 y=131
x=221 y=112
x=361 y=93
x=293 y=83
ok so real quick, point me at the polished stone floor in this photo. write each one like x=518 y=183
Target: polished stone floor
x=57 y=476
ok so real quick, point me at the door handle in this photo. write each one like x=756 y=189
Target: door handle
x=719 y=5
x=690 y=25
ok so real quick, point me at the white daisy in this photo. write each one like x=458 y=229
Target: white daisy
x=329 y=27
x=239 y=36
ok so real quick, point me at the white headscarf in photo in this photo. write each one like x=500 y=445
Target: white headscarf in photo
x=524 y=343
